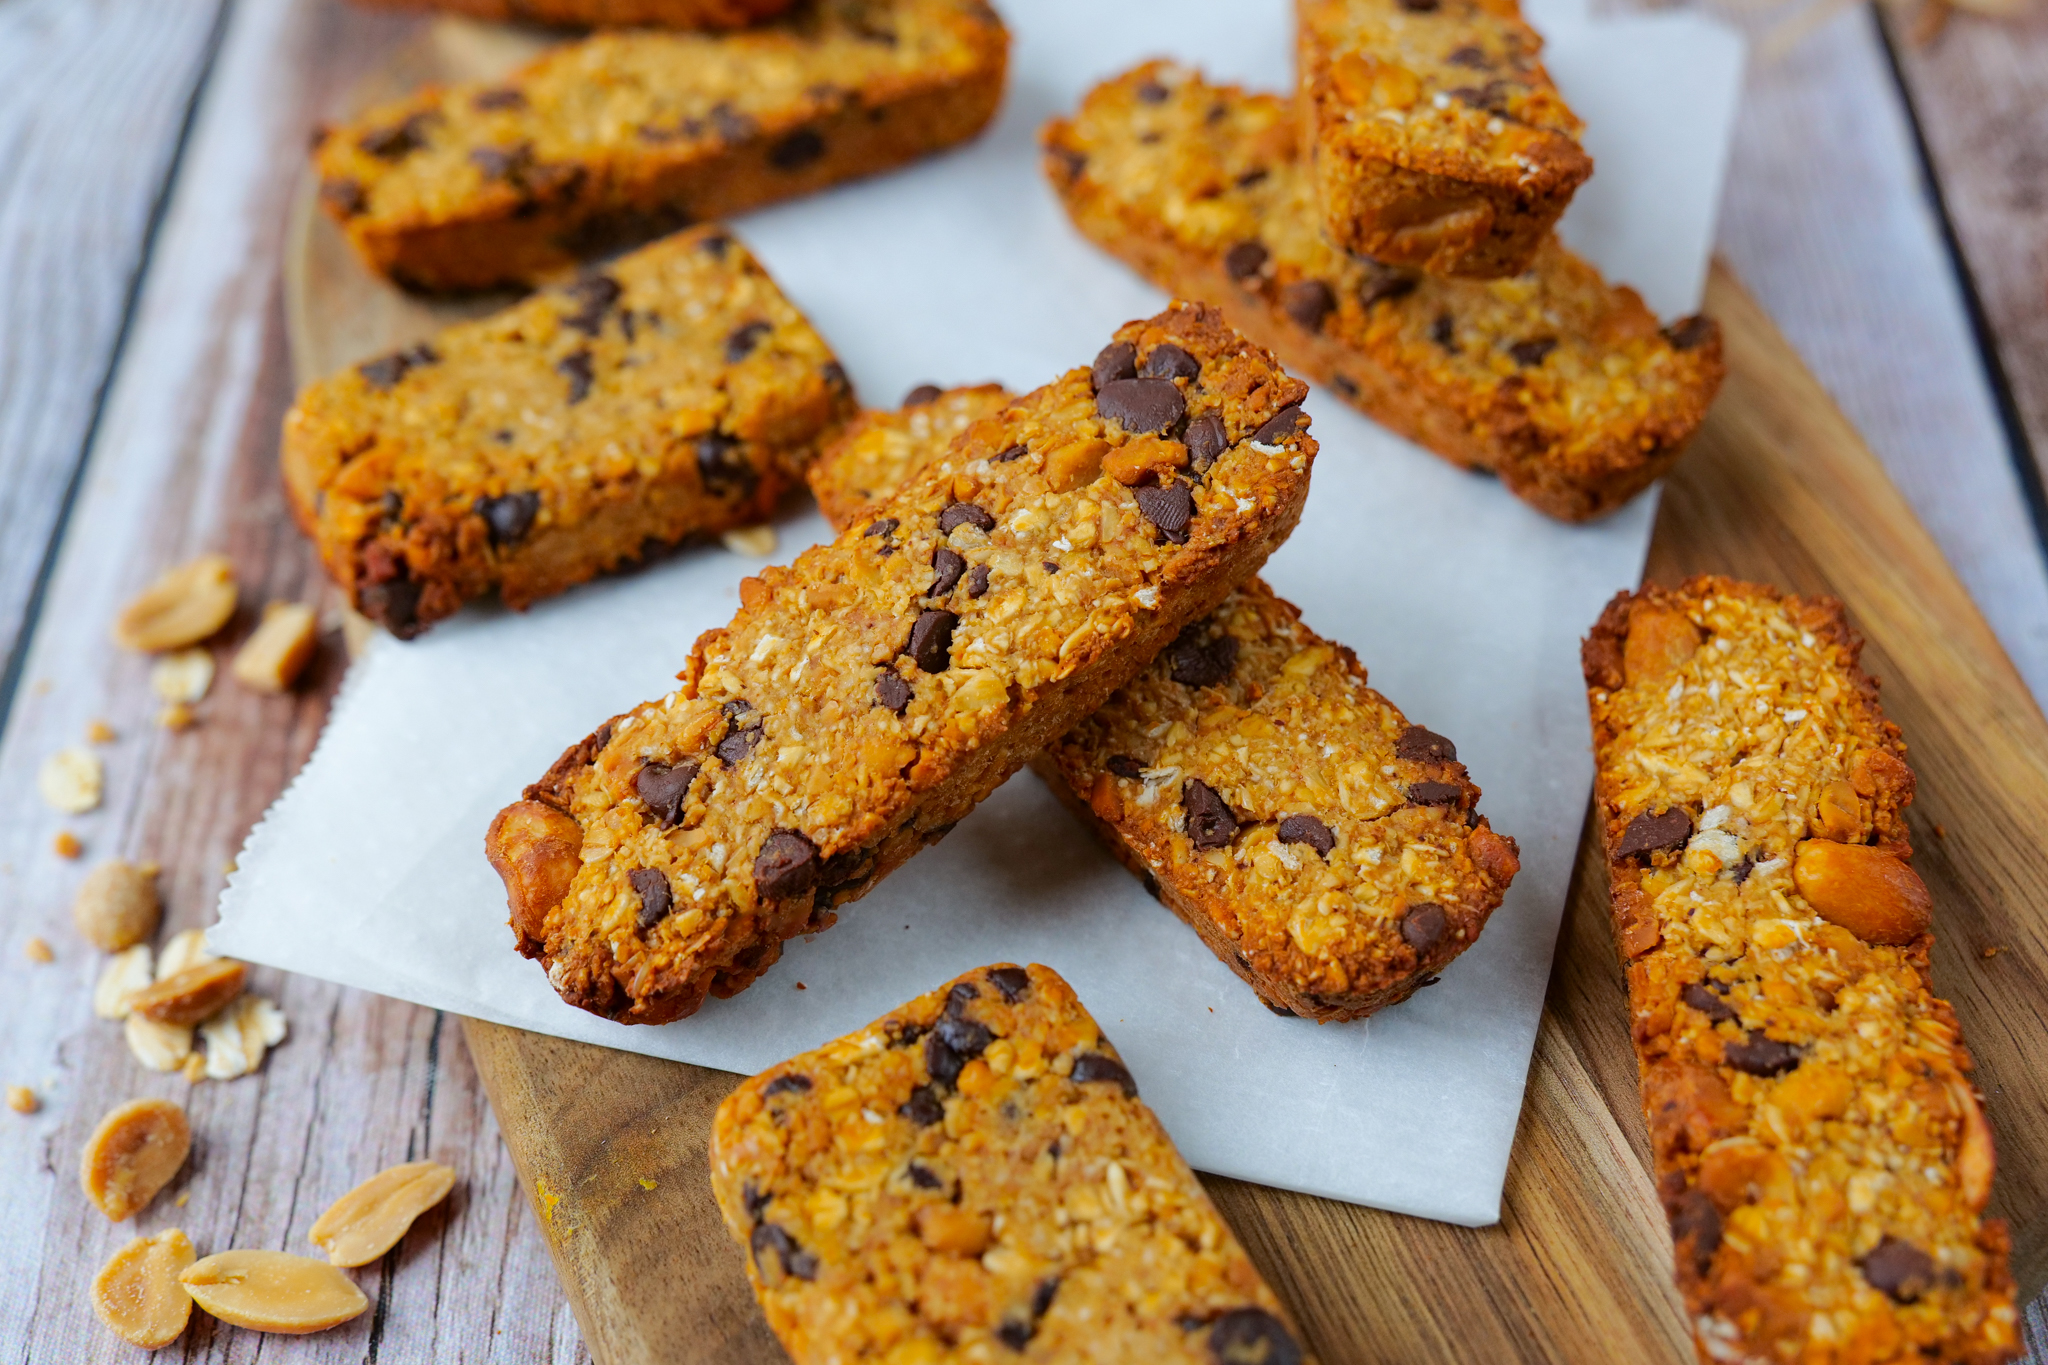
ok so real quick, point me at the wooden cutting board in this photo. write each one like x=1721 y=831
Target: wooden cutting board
x=1778 y=487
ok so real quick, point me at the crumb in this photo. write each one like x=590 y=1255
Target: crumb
x=227 y=869
x=646 y=1184
x=66 y=844
x=38 y=950
x=176 y=716
x=1993 y=951
x=22 y=1100
x=1212 y=1009
x=1940 y=832
x=800 y=986
x=99 y=732
x=184 y=1197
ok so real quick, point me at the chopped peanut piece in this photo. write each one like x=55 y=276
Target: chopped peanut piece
x=126 y=975
x=160 y=1047
x=22 y=1100
x=187 y=948
x=71 y=780
x=185 y=675
x=369 y=1220
x=66 y=844
x=177 y=716
x=238 y=1036
x=183 y=607
x=134 y=1153
x=99 y=732
x=137 y=1293
x=270 y=1291
x=117 y=905
x=194 y=994
x=272 y=659
x=38 y=950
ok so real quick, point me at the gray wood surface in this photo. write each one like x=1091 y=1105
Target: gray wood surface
x=1825 y=219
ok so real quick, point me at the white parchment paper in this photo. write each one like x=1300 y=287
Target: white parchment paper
x=1465 y=606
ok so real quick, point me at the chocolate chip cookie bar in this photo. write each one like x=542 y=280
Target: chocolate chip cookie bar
x=1433 y=134
x=1823 y=1158
x=674 y=393
x=1559 y=383
x=607 y=13
x=631 y=133
x=879 y=450
x=973 y=1177
x=867 y=697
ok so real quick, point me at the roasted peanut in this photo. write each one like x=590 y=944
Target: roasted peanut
x=1078 y=462
x=238 y=1036
x=272 y=658
x=126 y=975
x=134 y=1153
x=1155 y=455
x=1838 y=815
x=187 y=948
x=182 y=607
x=270 y=1291
x=71 y=781
x=1866 y=890
x=160 y=1047
x=368 y=1221
x=1660 y=641
x=117 y=906
x=194 y=994
x=1103 y=798
x=1739 y=1170
x=944 y=1228
x=137 y=1293
x=184 y=675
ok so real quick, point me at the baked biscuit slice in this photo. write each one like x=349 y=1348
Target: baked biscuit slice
x=1326 y=850
x=1824 y=1159
x=628 y=134
x=607 y=13
x=1433 y=134
x=866 y=698
x=1559 y=383
x=676 y=392
x=918 y=1191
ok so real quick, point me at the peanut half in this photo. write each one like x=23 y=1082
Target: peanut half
x=134 y=1153
x=368 y=1221
x=238 y=1036
x=194 y=994
x=137 y=1291
x=126 y=975
x=117 y=905
x=270 y=1291
x=181 y=608
x=272 y=658
x=1866 y=890
x=71 y=781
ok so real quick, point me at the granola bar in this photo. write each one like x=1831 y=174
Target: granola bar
x=1435 y=135
x=1823 y=1159
x=628 y=134
x=867 y=697
x=879 y=450
x=677 y=392
x=607 y=13
x=1559 y=383
x=973 y=1177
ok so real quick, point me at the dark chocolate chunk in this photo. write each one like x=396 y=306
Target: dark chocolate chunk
x=1423 y=927
x=1649 y=833
x=1207 y=439
x=1152 y=92
x=1244 y=261
x=1118 y=360
x=1419 y=6
x=1050 y=566
x=1211 y=823
x=755 y=1198
x=946 y=569
x=941 y=1063
x=1123 y=765
x=921 y=395
x=502 y=163
x=744 y=339
x=977 y=580
x=789 y=1083
x=1435 y=793
x=401 y=140
x=1491 y=97
x=594 y=296
x=1170 y=507
x=1688 y=333
x=509 y=515
x=722 y=465
x=1306 y=829
x=1281 y=1010
x=1247 y=179
x=716 y=244
x=499 y=98
x=1745 y=867
x=1193 y=662
x=1169 y=361
x=835 y=375
x=924 y=1107
x=383 y=373
x=1281 y=425
x=1142 y=405
x=885 y=527
x=1385 y=282
x=1761 y=1056
x=1469 y=55
x=575 y=367
x=664 y=788
x=891 y=691
x=1096 y=1066
x=1015 y=1333
x=1015 y=452
x=964 y=514
x=344 y=196
x=957 y=998
x=1897 y=1268
x=1717 y=1010
x=1417 y=745
x=1696 y=1227
x=1308 y=302
x=1531 y=353
x=395 y=602
x=656 y=899
x=931 y=640
x=1070 y=161
x=738 y=743
x=1444 y=332
x=1252 y=1336
x=1010 y=982
x=796 y=151
x=923 y=1176
x=966 y=1039
x=787 y=867
x=730 y=123
x=795 y=1260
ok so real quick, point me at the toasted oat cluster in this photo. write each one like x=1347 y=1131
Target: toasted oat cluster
x=1437 y=139
x=674 y=393
x=879 y=450
x=867 y=697
x=973 y=1177
x=1559 y=383
x=633 y=132
x=1824 y=1160
x=608 y=13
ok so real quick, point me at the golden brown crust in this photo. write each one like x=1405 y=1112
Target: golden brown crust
x=606 y=13
x=627 y=134
x=973 y=1178
x=1560 y=384
x=878 y=450
x=1824 y=1162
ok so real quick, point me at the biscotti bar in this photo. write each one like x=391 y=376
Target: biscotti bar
x=867 y=697
x=973 y=1177
x=1326 y=850
x=1559 y=383
x=606 y=13
x=674 y=393
x=1821 y=1153
x=628 y=134
x=1434 y=135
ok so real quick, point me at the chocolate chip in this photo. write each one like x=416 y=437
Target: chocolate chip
x=1193 y=662
x=1042 y=1294
x=1745 y=867
x=1423 y=927
x=790 y=1083
x=1015 y=1333
x=1050 y=566
x=1761 y=1056
x=977 y=580
x=923 y=1176
x=946 y=568
x=1169 y=361
x=1281 y=1010
x=1529 y=354
x=924 y=1107
x=1095 y=1066
x=1252 y=177
x=1015 y=452
x=722 y=465
x=744 y=339
x=755 y=1198
x=1207 y=439
x=1123 y=765
x=964 y=514
x=1469 y=55
x=1444 y=332
x=1706 y=1002
x=575 y=367
x=1281 y=425
x=1070 y=161
x=796 y=151
x=500 y=98
x=1152 y=92
x=593 y=296
x=795 y=1260
x=1252 y=1336
x=885 y=527
x=344 y=196
x=1010 y=982
x=1308 y=302
x=1211 y=823
x=1899 y=1269
x=395 y=602
x=401 y=140
x=787 y=866
x=1696 y=1225
x=941 y=1063
x=1649 y=833
x=509 y=515
x=931 y=640
x=1385 y=282
x=1118 y=360
x=957 y=998
x=1306 y=829
x=1244 y=261
x=1435 y=793
x=716 y=244
x=383 y=373
x=921 y=395
x=965 y=1038
x=730 y=123
x=1688 y=333
x=501 y=163
x=656 y=900
x=1419 y=6
x=892 y=692
x=664 y=788
x=834 y=375
x=1169 y=507
x=1492 y=97
x=1417 y=745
